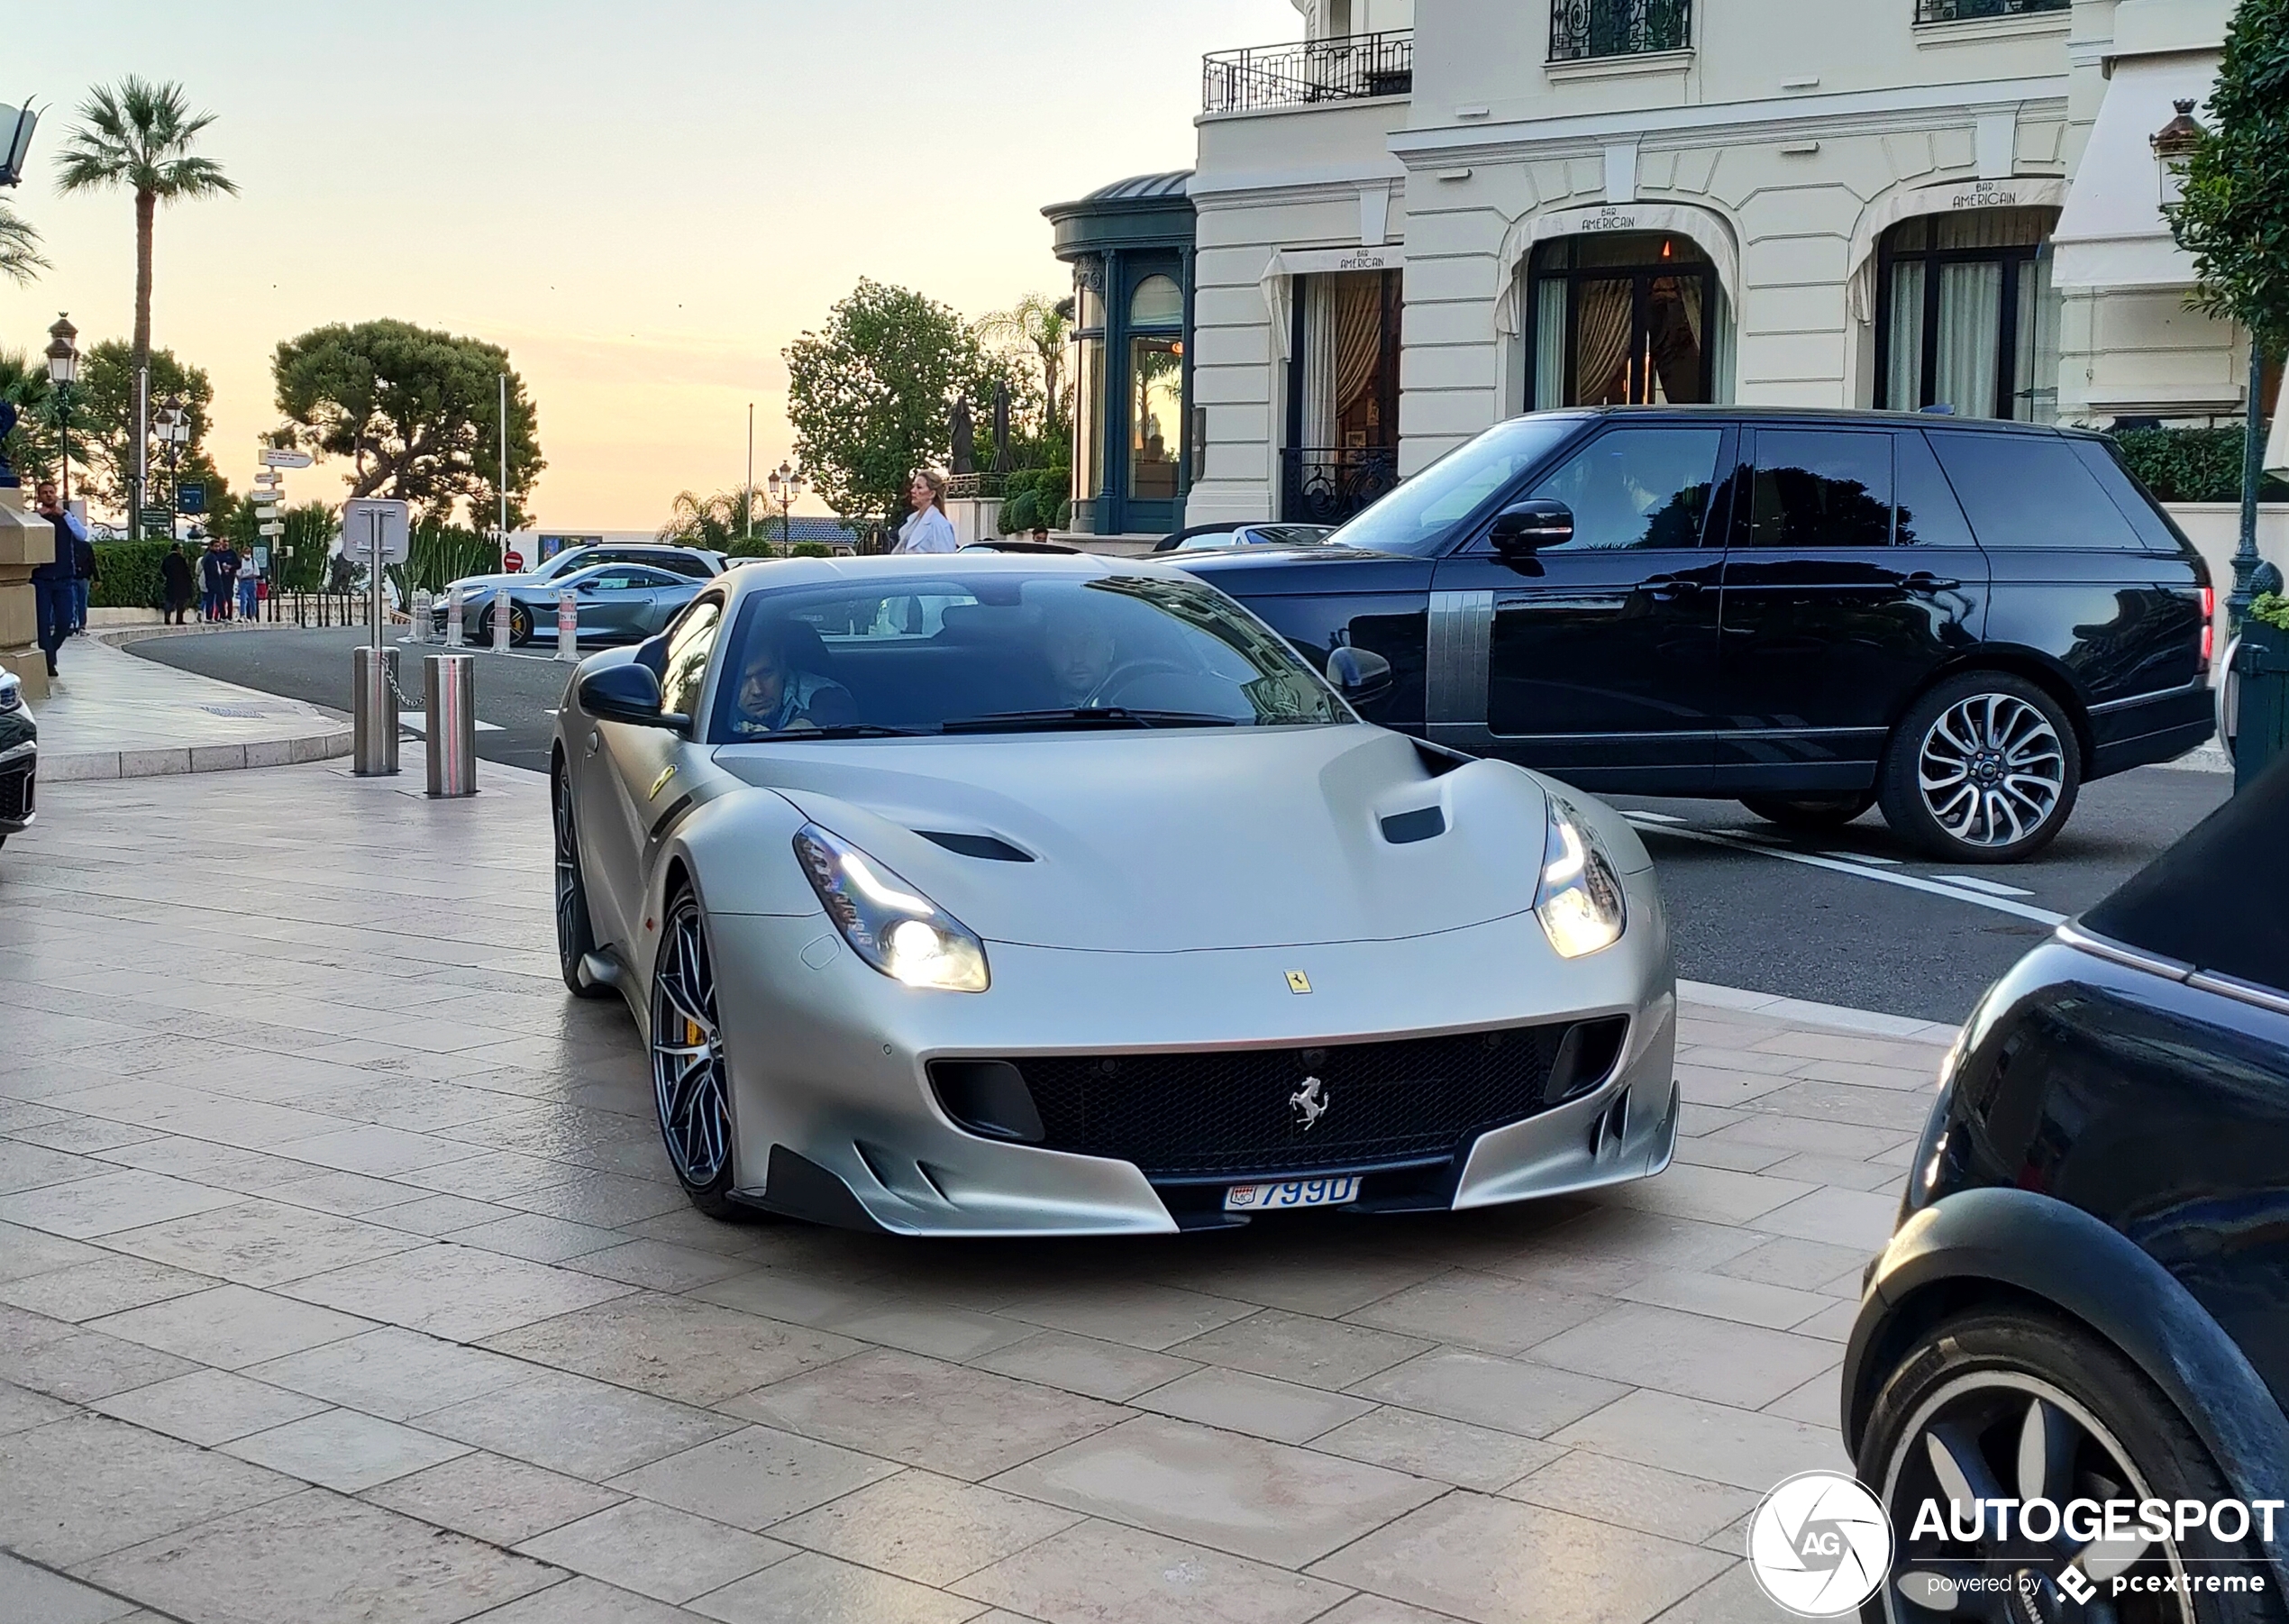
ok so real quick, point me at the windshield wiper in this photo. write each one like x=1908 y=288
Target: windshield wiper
x=1084 y=715
x=843 y=730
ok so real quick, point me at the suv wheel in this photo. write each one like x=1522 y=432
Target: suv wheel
x=1808 y=812
x=2007 y=1402
x=1984 y=768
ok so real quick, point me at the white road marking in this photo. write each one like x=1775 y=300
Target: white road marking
x=1913 y=882
x=1656 y=818
x=1882 y=863
x=1973 y=883
x=418 y=722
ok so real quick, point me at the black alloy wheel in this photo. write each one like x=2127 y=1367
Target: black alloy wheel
x=2006 y=1403
x=520 y=626
x=690 y=1081
x=1810 y=813
x=1985 y=768
x=575 y=932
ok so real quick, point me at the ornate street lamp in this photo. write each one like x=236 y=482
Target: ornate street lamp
x=174 y=427
x=63 y=372
x=785 y=484
x=2175 y=145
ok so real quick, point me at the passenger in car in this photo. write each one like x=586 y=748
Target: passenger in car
x=775 y=696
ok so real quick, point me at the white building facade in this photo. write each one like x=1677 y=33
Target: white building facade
x=1432 y=215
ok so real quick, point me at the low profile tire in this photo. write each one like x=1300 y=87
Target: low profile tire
x=2007 y=1402
x=1985 y=768
x=1808 y=812
x=520 y=626
x=575 y=934
x=690 y=1083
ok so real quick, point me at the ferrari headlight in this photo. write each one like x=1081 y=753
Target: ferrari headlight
x=891 y=926
x=1579 y=901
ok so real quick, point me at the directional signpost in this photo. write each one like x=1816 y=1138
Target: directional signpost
x=272 y=457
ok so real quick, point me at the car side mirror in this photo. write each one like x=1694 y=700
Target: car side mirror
x=1530 y=526
x=1359 y=675
x=628 y=693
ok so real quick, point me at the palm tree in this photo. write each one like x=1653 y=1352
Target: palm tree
x=1038 y=324
x=138 y=136
x=20 y=259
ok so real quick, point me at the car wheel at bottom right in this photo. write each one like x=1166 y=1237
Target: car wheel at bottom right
x=2068 y=1382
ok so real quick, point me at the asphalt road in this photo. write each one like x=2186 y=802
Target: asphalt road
x=1852 y=917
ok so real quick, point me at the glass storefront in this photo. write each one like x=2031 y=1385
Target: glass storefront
x=1625 y=318
x=1342 y=448
x=1156 y=388
x=1968 y=317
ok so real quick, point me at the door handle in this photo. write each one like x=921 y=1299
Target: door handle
x=1924 y=581
x=1669 y=588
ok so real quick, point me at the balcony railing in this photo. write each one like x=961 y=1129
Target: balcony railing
x=1966 y=11
x=1582 y=30
x=1344 y=68
x=1328 y=487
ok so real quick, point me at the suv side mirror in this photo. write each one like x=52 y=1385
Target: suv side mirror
x=1359 y=675
x=1530 y=526
x=628 y=693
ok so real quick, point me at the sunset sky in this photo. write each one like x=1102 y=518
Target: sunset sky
x=644 y=203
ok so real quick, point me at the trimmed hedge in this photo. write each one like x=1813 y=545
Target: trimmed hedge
x=2193 y=465
x=127 y=575
x=1035 y=496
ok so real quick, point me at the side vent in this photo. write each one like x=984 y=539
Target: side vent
x=1586 y=1054
x=1438 y=760
x=987 y=1097
x=1405 y=828
x=987 y=846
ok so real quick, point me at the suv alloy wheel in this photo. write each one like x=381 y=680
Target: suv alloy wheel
x=1984 y=768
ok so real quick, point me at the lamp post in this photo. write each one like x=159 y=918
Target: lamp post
x=63 y=372
x=174 y=426
x=786 y=484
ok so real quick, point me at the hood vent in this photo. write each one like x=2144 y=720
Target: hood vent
x=1405 y=828
x=992 y=848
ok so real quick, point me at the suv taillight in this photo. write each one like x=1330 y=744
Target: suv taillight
x=2209 y=625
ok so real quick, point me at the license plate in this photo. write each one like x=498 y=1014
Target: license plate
x=1296 y=1192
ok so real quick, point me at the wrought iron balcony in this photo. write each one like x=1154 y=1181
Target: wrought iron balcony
x=1344 y=69
x=1328 y=487
x=1583 y=30
x=1965 y=11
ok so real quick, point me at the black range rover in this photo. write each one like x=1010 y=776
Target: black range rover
x=1810 y=612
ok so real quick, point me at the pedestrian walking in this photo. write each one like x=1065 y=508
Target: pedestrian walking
x=926 y=529
x=52 y=582
x=218 y=575
x=175 y=578
x=86 y=571
x=250 y=577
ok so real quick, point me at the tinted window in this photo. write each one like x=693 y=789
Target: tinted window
x=622 y=578
x=2103 y=458
x=690 y=642
x=1821 y=489
x=685 y=563
x=1418 y=516
x=2029 y=490
x=1929 y=514
x=1638 y=487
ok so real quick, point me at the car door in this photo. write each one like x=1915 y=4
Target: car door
x=1851 y=578
x=1594 y=660
x=617 y=602
x=641 y=776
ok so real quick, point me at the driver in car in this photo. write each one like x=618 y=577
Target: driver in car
x=776 y=697
x=1080 y=651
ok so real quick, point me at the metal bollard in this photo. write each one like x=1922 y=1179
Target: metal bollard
x=449 y=690
x=373 y=711
x=417 y=623
x=568 y=627
x=453 y=620
x=501 y=613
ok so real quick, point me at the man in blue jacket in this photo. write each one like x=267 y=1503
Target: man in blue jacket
x=52 y=582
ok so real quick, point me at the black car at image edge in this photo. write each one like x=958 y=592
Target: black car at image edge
x=1810 y=612
x=2088 y=1291
x=19 y=758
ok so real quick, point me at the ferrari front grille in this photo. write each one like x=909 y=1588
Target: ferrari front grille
x=1243 y=1112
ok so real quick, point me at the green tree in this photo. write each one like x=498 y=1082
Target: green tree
x=1038 y=327
x=2234 y=218
x=415 y=412
x=30 y=447
x=718 y=521
x=20 y=258
x=103 y=415
x=871 y=395
x=139 y=137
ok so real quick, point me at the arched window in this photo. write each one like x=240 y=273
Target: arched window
x=1156 y=388
x=1627 y=318
x=1966 y=316
x=1158 y=302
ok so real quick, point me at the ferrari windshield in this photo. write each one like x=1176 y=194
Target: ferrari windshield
x=1006 y=652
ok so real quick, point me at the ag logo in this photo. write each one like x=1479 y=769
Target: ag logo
x=1819 y=1546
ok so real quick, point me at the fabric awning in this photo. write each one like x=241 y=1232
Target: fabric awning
x=2112 y=234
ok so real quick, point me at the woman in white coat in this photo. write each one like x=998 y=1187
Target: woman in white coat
x=926 y=529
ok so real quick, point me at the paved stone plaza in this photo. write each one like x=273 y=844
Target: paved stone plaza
x=342 y=1277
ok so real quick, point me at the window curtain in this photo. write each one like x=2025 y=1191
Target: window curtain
x=1550 y=319
x=1359 y=337
x=1970 y=321
x=1903 y=388
x=2037 y=371
x=1316 y=431
x=1606 y=310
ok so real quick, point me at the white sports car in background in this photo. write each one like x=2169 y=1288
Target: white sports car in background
x=990 y=894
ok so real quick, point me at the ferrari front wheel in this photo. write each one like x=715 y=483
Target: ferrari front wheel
x=575 y=932
x=690 y=1080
